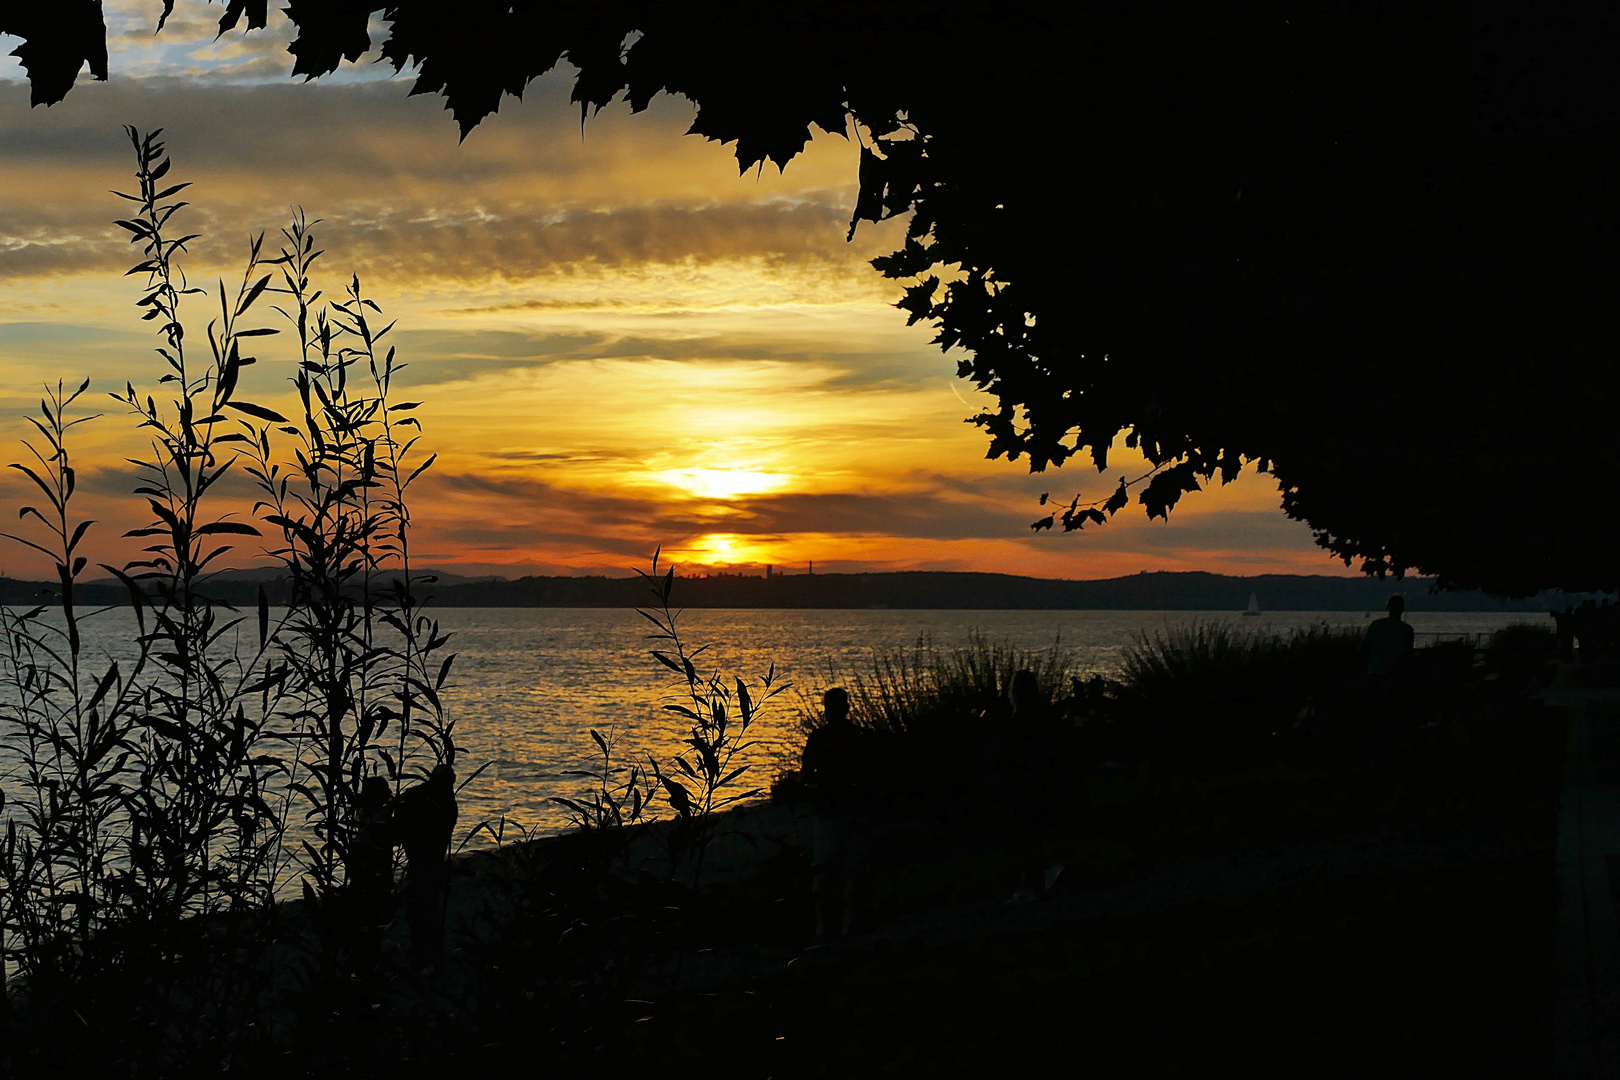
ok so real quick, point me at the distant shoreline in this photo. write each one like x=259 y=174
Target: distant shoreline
x=903 y=590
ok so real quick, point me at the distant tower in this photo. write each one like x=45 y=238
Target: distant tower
x=812 y=566
x=767 y=571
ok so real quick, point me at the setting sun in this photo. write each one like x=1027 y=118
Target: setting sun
x=725 y=549
x=616 y=345
x=724 y=483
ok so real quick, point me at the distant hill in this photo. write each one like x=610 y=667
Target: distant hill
x=1194 y=591
x=268 y=574
x=231 y=586
x=1191 y=591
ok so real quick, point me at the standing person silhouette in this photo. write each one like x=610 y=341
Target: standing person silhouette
x=371 y=865
x=1387 y=649
x=424 y=817
x=1032 y=780
x=1564 y=621
x=1603 y=627
x=1584 y=625
x=1387 y=645
x=834 y=760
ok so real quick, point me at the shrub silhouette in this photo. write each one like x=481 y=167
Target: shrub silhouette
x=161 y=810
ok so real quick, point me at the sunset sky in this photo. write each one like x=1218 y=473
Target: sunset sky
x=619 y=342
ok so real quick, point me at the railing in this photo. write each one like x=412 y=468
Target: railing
x=1435 y=637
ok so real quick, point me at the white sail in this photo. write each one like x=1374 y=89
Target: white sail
x=1254 y=605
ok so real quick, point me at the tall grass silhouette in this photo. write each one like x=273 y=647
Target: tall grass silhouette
x=358 y=653
x=1206 y=694
x=147 y=836
x=907 y=691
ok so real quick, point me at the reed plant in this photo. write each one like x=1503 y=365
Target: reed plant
x=359 y=654
x=145 y=849
x=720 y=710
x=618 y=794
x=145 y=810
x=565 y=925
x=72 y=730
x=203 y=834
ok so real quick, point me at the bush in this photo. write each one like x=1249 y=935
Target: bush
x=935 y=714
x=1518 y=654
x=910 y=692
x=1209 y=655
x=1214 y=694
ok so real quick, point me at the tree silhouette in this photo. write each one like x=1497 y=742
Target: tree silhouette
x=1367 y=247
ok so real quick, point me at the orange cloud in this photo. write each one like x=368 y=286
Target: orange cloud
x=619 y=342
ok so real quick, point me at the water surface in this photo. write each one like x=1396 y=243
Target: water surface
x=529 y=683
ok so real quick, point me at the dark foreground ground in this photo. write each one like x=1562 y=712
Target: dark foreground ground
x=1303 y=917
x=1417 y=937
x=1440 y=969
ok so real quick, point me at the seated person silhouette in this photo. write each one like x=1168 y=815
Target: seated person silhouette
x=424 y=817
x=834 y=761
x=1387 y=645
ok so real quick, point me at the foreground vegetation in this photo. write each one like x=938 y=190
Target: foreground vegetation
x=1353 y=890
x=165 y=810
x=613 y=938
x=199 y=857
x=159 y=810
x=1400 y=905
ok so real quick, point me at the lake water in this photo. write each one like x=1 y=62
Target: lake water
x=529 y=683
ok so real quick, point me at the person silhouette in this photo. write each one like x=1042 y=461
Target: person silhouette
x=1030 y=774
x=424 y=817
x=371 y=851
x=1584 y=624
x=370 y=864
x=1564 y=621
x=834 y=760
x=1387 y=644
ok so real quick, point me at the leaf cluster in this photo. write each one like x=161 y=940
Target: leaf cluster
x=1247 y=235
x=720 y=711
x=619 y=796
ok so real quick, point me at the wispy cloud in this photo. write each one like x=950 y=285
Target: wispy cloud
x=619 y=342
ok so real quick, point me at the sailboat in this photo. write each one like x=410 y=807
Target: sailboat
x=1254 y=605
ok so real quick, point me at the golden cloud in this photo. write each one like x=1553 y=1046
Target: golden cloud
x=620 y=342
